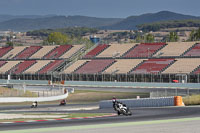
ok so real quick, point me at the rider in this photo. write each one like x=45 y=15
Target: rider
x=115 y=103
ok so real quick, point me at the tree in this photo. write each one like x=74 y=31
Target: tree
x=149 y=38
x=57 y=38
x=173 y=37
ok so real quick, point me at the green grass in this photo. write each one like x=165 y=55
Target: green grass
x=192 y=100
x=73 y=115
x=88 y=96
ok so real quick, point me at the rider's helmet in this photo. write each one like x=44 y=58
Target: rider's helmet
x=114 y=99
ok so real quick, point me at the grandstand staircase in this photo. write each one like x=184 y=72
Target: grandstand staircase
x=66 y=51
x=29 y=66
x=102 y=50
x=195 y=70
x=128 y=51
x=168 y=65
x=188 y=50
x=136 y=66
x=35 y=52
x=3 y=63
x=20 y=53
x=44 y=66
x=13 y=69
x=7 y=51
x=93 y=56
x=81 y=66
x=109 y=65
x=155 y=52
x=49 y=52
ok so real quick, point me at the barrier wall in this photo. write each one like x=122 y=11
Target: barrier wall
x=32 y=99
x=110 y=84
x=143 y=102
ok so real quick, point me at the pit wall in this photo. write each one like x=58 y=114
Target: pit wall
x=146 y=102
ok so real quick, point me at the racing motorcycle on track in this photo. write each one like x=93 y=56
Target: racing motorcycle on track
x=121 y=108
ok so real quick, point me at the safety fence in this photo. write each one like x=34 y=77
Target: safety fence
x=146 y=102
x=161 y=78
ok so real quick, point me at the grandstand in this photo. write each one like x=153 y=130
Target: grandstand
x=48 y=68
x=42 y=52
x=174 y=49
x=57 y=52
x=37 y=66
x=95 y=66
x=122 y=66
x=154 y=66
x=8 y=66
x=145 y=62
x=72 y=68
x=183 y=66
x=98 y=49
x=115 y=50
x=26 y=53
x=144 y=50
x=193 y=51
x=14 y=52
x=21 y=67
x=4 y=50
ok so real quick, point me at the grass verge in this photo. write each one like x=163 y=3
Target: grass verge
x=72 y=115
x=192 y=100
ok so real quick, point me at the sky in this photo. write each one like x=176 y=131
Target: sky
x=98 y=8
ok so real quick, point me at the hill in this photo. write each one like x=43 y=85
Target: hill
x=25 y=24
x=4 y=17
x=131 y=22
x=168 y=24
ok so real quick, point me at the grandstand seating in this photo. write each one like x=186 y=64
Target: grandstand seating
x=197 y=71
x=174 y=49
x=94 y=52
x=144 y=50
x=72 y=51
x=195 y=51
x=123 y=66
x=2 y=63
x=42 y=52
x=50 y=67
x=28 y=52
x=152 y=66
x=74 y=66
x=183 y=66
x=9 y=65
x=18 y=69
x=57 y=52
x=116 y=50
x=95 y=66
x=12 y=53
x=37 y=66
x=5 y=50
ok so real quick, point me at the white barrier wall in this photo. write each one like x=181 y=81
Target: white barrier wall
x=32 y=99
x=143 y=102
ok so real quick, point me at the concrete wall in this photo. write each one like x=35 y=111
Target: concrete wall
x=143 y=102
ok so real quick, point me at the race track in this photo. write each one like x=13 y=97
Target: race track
x=158 y=116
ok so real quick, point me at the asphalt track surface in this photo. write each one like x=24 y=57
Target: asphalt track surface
x=139 y=115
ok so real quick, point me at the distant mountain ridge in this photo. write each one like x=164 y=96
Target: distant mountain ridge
x=4 y=17
x=131 y=22
x=35 y=22
x=26 y=24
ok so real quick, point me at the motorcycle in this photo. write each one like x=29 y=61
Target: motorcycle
x=34 y=105
x=122 y=109
x=63 y=102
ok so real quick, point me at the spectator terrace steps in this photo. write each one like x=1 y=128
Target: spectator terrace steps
x=58 y=51
x=4 y=50
x=183 y=66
